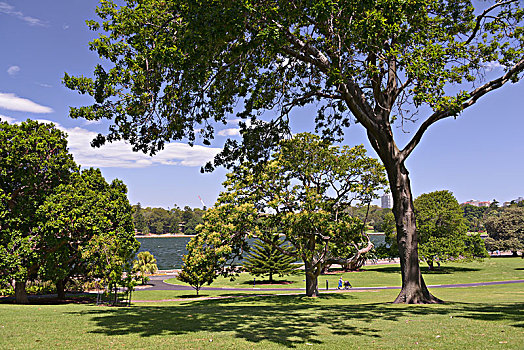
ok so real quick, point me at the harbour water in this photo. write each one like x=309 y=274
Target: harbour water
x=168 y=251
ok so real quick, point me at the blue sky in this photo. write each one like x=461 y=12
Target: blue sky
x=477 y=156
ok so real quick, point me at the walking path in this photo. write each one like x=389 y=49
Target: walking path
x=157 y=283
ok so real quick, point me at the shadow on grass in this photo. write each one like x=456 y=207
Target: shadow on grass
x=446 y=270
x=425 y=270
x=288 y=321
x=519 y=268
x=268 y=283
x=53 y=300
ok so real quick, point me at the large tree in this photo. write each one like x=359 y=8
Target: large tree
x=174 y=67
x=34 y=160
x=73 y=218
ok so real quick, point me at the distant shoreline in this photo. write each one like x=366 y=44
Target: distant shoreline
x=167 y=235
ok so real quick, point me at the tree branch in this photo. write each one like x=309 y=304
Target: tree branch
x=474 y=96
x=484 y=15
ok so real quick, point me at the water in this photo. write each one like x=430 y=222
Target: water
x=168 y=251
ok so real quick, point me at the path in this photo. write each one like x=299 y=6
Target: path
x=158 y=283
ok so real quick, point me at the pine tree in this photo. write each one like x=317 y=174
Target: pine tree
x=265 y=259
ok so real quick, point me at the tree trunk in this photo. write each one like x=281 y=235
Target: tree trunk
x=311 y=285
x=414 y=290
x=60 y=289
x=20 y=293
x=311 y=280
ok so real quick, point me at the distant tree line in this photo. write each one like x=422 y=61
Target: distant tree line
x=163 y=221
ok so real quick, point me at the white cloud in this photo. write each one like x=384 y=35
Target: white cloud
x=229 y=132
x=92 y=122
x=13 y=70
x=234 y=131
x=120 y=155
x=489 y=66
x=10 y=10
x=14 y=103
x=5 y=118
x=44 y=85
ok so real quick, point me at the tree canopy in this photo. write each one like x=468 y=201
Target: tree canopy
x=75 y=219
x=51 y=214
x=506 y=229
x=303 y=193
x=443 y=229
x=34 y=160
x=162 y=221
x=174 y=67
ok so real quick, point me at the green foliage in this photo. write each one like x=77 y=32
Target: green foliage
x=34 y=160
x=269 y=259
x=203 y=258
x=474 y=216
x=389 y=227
x=191 y=63
x=161 y=221
x=442 y=229
x=302 y=193
x=145 y=263
x=506 y=229
x=88 y=229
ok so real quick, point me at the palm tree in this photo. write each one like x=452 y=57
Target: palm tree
x=145 y=263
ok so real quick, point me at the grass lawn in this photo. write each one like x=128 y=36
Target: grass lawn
x=492 y=269
x=488 y=317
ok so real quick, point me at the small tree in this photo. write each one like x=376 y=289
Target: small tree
x=442 y=229
x=506 y=230
x=200 y=265
x=265 y=259
x=145 y=263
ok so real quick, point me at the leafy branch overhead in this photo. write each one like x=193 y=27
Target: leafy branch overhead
x=177 y=67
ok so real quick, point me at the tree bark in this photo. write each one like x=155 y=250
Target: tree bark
x=311 y=280
x=414 y=289
x=60 y=289
x=20 y=293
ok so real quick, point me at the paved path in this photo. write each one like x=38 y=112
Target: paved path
x=158 y=283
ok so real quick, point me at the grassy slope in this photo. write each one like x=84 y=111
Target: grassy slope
x=474 y=318
x=494 y=269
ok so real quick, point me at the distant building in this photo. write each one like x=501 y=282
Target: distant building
x=517 y=200
x=476 y=203
x=386 y=201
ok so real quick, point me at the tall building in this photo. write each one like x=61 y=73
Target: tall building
x=386 y=201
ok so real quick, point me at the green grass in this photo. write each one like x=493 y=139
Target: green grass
x=493 y=269
x=474 y=318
